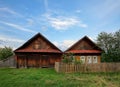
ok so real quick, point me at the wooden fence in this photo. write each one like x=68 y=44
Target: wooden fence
x=102 y=67
x=9 y=62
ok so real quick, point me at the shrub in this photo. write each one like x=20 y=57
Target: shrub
x=75 y=61
x=69 y=58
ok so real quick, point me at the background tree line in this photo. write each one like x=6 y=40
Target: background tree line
x=110 y=43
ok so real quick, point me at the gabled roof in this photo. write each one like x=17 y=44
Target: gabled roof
x=95 y=50
x=55 y=50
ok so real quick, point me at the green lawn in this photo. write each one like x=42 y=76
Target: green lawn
x=49 y=78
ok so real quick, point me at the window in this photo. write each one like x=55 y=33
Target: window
x=89 y=59
x=36 y=46
x=82 y=58
x=94 y=59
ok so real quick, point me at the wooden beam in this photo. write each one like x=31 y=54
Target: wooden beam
x=16 y=58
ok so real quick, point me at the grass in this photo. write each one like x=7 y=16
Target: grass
x=49 y=78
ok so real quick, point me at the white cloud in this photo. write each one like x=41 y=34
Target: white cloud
x=10 y=11
x=11 y=39
x=17 y=27
x=30 y=22
x=78 y=11
x=68 y=43
x=83 y=25
x=64 y=22
x=64 y=44
x=51 y=18
x=12 y=42
x=44 y=28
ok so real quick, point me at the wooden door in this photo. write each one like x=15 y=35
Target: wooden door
x=21 y=61
x=45 y=61
x=37 y=60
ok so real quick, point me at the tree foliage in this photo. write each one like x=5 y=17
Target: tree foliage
x=69 y=58
x=110 y=43
x=5 y=52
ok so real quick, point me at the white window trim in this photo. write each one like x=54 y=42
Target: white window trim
x=95 y=60
x=82 y=58
x=89 y=59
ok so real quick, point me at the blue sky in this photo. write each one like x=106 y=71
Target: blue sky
x=63 y=22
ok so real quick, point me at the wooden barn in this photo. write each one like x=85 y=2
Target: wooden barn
x=86 y=51
x=37 y=52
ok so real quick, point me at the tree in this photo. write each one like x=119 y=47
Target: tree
x=116 y=49
x=5 y=52
x=105 y=41
x=110 y=43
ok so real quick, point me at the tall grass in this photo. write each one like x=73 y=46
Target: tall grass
x=49 y=78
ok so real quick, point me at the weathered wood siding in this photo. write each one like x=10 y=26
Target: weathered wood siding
x=37 y=60
x=84 y=45
x=39 y=43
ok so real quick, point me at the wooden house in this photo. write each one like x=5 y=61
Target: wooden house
x=86 y=51
x=37 y=52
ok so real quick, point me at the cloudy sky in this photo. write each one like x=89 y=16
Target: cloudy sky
x=63 y=22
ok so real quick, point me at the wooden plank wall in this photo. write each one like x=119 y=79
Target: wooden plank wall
x=102 y=67
x=37 y=60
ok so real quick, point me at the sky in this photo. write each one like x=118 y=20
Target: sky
x=63 y=22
